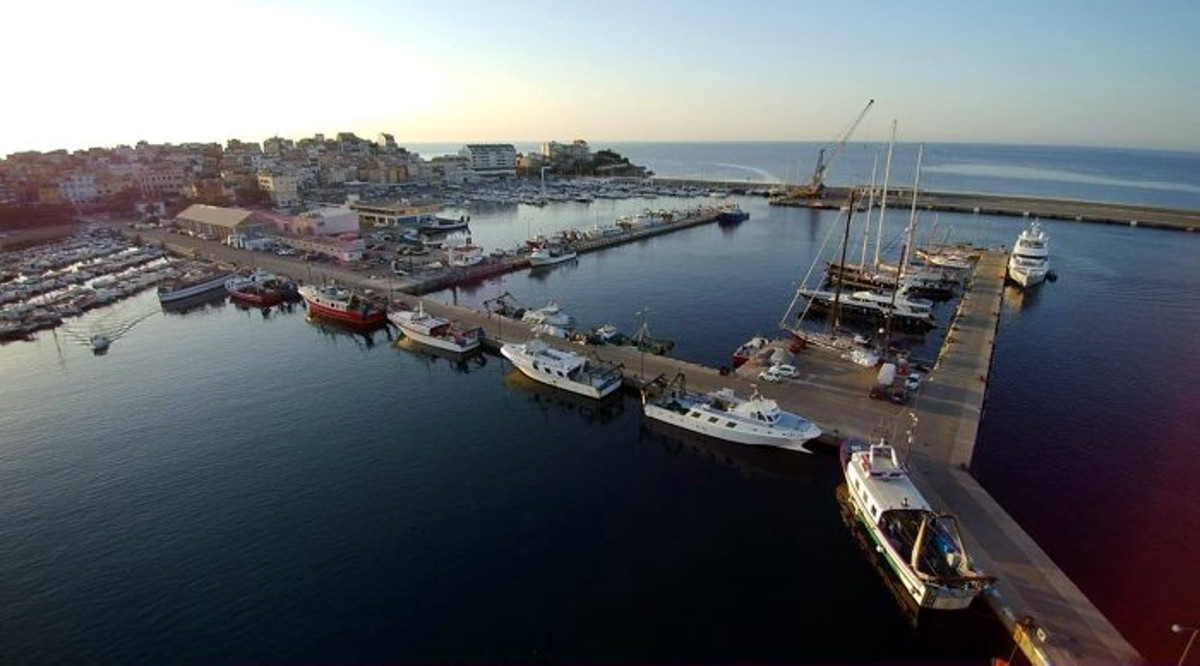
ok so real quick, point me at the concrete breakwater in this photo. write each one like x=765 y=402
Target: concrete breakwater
x=983 y=204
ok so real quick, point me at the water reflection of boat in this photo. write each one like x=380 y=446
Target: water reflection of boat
x=364 y=337
x=213 y=299
x=751 y=461
x=458 y=361
x=591 y=410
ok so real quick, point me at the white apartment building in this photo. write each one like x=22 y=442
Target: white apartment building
x=491 y=159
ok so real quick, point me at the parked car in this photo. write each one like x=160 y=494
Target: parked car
x=778 y=372
x=912 y=382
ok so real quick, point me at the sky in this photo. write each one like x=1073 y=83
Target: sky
x=81 y=73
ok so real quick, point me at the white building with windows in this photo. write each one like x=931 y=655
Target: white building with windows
x=497 y=160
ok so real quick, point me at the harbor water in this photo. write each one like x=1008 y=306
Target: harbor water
x=224 y=485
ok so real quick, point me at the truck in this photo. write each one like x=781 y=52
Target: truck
x=885 y=387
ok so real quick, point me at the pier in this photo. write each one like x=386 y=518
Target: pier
x=1046 y=614
x=983 y=204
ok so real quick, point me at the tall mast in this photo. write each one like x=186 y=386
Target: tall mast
x=862 y=261
x=887 y=171
x=912 y=216
x=837 y=292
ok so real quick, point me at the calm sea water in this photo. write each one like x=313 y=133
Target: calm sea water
x=225 y=486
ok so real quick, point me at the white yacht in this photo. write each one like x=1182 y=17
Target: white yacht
x=922 y=548
x=435 y=331
x=879 y=304
x=1030 y=258
x=721 y=414
x=563 y=369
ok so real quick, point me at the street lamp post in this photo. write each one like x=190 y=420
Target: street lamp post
x=1180 y=629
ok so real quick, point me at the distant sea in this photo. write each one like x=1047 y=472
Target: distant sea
x=1164 y=178
x=229 y=486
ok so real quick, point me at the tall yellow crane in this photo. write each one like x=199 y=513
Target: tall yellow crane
x=816 y=184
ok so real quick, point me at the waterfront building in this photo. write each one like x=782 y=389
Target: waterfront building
x=391 y=214
x=217 y=221
x=493 y=160
x=576 y=150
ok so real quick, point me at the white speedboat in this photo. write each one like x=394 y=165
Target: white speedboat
x=1030 y=258
x=435 y=331
x=721 y=414
x=563 y=369
x=923 y=548
x=99 y=343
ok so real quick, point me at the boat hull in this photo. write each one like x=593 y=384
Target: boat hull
x=1026 y=278
x=189 y=291
x=452 y=342
x=369 y=317
x=759 y=437
x=536 y=262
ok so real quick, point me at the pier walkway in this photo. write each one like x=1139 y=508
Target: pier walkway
x=1047 y=615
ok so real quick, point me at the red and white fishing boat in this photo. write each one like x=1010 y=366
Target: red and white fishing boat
x=260 y=289
x=435 y=331
x=342 y=305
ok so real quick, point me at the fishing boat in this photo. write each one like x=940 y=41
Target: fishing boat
x=549 y=314
x=748 y=349
x=548 y=255
x=755 y=421
x=732 y=214
x=563 y=369
x=259 y=288
x=1030 y=259
x=341 y=305
x=434 y=224
x=193 y=283
x=923 y=548
x=435 y=331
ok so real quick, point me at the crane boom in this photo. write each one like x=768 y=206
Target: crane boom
x=829 y=153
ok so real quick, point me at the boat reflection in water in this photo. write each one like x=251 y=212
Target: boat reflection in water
x=212 y=299
x=363 y=337
x=458 y=361
x=944 y=634
x=549 y=398
x=751 y=461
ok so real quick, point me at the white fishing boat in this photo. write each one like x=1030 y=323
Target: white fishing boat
x=435 y=331
x=192 y=284
x=721 y=414
x=549 y=255
x=923 y=548
x=563 y=369
x=1030 y=259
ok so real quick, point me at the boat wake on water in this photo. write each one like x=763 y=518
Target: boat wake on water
x=763 y=174
x=99 y=332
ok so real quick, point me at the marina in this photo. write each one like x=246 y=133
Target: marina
x=834 y=398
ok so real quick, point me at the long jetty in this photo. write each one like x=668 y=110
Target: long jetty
x=1046 y=614
x=983 y=204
